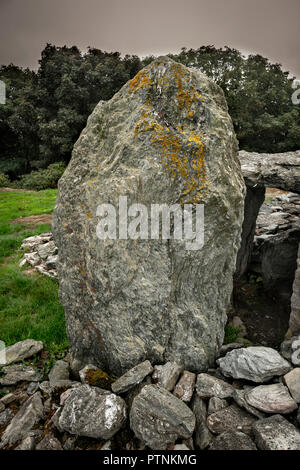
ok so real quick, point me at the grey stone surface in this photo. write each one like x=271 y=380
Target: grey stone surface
x=203 y=436
x=274 y=399
x=150 y=299
x=159 y=419
x=167 y=375
x=233 y=440
x=292 y=380
x=256 y=363
x=83 y=372
x=28 y=416
x=5 y=417
x=295 y=301
x=133 y=377
x=59 y=375
x=181 y=447
x=21 y=350
x=47 y=249
x=19 y=373
x=228 y=347
x=208 y=386
x=239 y=398
x=92 y=412
x=185 y=386
x=216 y=404
x=27 y=444
x=49 y=442
x=276 y=433
x=230 y=418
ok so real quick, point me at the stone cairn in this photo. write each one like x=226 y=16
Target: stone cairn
x=249 y=400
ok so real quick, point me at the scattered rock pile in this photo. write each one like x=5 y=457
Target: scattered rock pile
x=41 y=254
x=249 y=401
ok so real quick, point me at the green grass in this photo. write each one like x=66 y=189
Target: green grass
x=29 y=305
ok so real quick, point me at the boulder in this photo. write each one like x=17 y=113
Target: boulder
x=274 y=399
x=257 y=363
x=28 y=416
x=158 y=418
x=208 y=386
x=165 y=138
x=185 y=387
x=292 y=380
x=216 y=404
x=133 y=377
x=233 y=440
x=19 y=373
x=167 y=375
x=92 y=412
x=203 y=436
x=230 y=418
x=276 y=433
x=21 y=350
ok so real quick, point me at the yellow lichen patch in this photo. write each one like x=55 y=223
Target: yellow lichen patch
x=141 y=80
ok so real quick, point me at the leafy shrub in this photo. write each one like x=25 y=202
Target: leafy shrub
x=42 y=179
x=4 y=180
x=232 y=333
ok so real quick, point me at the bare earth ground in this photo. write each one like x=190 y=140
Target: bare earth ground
x=33 y=220
x=12 y=190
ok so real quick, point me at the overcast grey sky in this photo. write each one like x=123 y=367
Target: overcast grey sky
x=267 y=27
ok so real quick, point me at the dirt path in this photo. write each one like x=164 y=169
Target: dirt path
x=34 y=220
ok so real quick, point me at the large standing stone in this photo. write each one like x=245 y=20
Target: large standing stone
x=159 y=419
x=276 y=433
x=256 y=363
x=295 y=301
x=274 y=398
x=92 y=412
x=165 y=137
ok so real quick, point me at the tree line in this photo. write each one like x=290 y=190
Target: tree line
x=46 y=109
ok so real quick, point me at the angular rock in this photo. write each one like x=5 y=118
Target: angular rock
x=230 y=418
x=21 y=350
x=203 y=436
x=239 y=398
x=292 y=380
x=28 y=416
x=276 y=433
x=59 y=375
x=181 y=447
x=5 y=417
x=158 y=418
x=208 y=386
x=32 y=388
x=133 y=377
x=49 y=442
x=2 y=407
x=152 y=298
x=273 y=399
x=228 y=347
x=19 y=396
x=233 y=440
x=256 y=363
x=47 y=249
x=27 y=444
x=19 y=373
x=216 y=404
x=167 y=375
x=92 y=412
x=51 y=262
x=185 y=387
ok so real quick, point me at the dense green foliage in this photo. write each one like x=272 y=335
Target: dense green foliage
x=46 y=110
x=29 y=304
x=43 y=178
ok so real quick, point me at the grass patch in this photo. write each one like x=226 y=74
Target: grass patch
x=29 y=305
x=232 y=333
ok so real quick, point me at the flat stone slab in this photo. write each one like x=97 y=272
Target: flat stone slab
x=233 y=440
x=133 y=377
x=158 y=418
x=19 y=373
x=292 y=380
x=230 y=418
x=92 y=412
x=274 y=398
x=21 y=350
x=202 y=435
x=28 y=416
x=208 y=386
x=257 y=363
x=276 y=433
x=167 y=375
x=185 y=387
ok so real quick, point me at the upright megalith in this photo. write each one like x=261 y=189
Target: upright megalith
x=165 y=138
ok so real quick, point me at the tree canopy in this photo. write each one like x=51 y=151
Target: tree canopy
x=46 y=110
